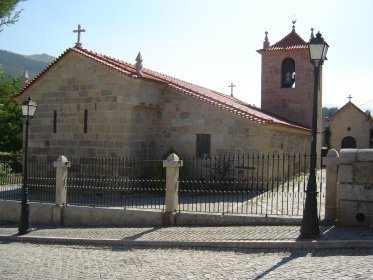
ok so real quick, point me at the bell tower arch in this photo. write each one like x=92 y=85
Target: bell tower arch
x=287 y=79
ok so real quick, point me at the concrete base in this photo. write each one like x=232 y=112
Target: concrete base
x=212 y=219
x=168 y=219
x=57 y=215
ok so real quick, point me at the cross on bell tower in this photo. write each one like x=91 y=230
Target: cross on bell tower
x=79 y=30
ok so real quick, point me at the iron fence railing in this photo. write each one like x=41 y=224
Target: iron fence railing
x=41 y=179
x=249 y=184
x=128 y=183
x=10 y=177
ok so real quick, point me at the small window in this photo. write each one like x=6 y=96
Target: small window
x=203 y=145
x=55 y=122
x=288 y=73
x=85 y=121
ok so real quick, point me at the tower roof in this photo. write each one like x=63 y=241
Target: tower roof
x=290 y=41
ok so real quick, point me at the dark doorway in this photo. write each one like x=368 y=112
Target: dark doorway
x=348 y=142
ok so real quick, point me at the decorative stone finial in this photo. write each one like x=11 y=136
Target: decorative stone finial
x=266 y=42
x=312 y=35
x=139 y=64
x=25 y=78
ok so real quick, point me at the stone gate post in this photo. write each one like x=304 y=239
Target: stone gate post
x=172 y=165
x=331 y=161
x=61 y=165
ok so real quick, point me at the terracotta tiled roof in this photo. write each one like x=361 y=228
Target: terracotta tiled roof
x=215 y=98
x=290 y=41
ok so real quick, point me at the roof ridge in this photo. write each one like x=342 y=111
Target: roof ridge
x=171 y=77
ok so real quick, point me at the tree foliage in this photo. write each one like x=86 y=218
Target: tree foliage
x=10 y=117
x=8 y=13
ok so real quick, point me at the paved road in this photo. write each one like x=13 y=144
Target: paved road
x=38 y=261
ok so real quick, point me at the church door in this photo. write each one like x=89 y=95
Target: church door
x=348 y=142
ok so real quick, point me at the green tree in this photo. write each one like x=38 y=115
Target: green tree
x=10 y=117
x=8 y=14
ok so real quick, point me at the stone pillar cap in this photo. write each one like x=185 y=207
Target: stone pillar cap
x=173 y=161
x=173 y=157
x=62 y=161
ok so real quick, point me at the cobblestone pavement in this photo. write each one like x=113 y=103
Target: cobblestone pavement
x=208 y=234
x=36 y=261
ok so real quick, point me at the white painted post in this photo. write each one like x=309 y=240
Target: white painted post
x=331 y=161
x=61 y=165
x=172 y=165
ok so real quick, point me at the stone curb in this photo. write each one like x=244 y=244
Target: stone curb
x=254 y=244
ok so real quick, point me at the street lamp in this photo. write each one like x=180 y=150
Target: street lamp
x=310 y=222
x=28 y=110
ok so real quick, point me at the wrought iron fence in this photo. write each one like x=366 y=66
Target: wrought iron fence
x=116 y=182
x=248 y=184
x=41 y=179
x=10 y=177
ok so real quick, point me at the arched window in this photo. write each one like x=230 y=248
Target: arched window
x=348 y=142
x=288 y=73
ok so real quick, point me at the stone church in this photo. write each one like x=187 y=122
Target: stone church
x=93 y=105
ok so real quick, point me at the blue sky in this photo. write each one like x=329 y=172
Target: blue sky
x=207 y=42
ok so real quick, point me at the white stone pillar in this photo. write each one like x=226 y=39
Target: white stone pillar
x=331 y=161
x=172 y=165
x=61 y=165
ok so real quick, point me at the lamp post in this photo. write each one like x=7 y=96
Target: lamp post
x=28 y=110
x=310 y=222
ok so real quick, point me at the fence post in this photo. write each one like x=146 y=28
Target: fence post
x=172 y=165
x=61 y=165
x=331 y=161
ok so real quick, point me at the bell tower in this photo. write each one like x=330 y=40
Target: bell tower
x=287 y=79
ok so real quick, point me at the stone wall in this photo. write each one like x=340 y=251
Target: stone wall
x=351 y=186
x=183 y=117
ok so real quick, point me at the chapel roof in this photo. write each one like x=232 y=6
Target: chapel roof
x=345 y=107
x=212 y=97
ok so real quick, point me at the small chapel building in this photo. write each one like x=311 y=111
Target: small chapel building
x=349 y=128
x=93 y=105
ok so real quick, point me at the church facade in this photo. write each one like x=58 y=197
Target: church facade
x=92 y=105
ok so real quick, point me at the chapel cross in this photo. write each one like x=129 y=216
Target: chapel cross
x=232 y=86
x=79 y=30
x=349 y=98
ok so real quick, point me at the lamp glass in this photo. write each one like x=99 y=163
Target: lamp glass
x=28 y=108
x=316 y=51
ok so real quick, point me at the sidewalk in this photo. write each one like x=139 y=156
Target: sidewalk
x=260 y=237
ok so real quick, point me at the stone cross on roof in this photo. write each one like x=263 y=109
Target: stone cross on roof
x=349 y=98
x=79 y=30
x=232 y=86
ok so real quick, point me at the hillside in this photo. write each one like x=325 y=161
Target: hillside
x=15 y=64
